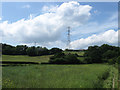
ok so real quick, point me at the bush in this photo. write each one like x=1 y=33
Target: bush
x=93 y=54
x=31 y=51
x=109 y=54
x=76 y=55
x=71 y=59
x=111 y=61
x=61 y=58
x=102 y=54
x=118 y=60
x=55 y=50
x=87 y=60
x=57 y=61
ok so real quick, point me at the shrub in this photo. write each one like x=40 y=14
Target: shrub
x=111 y=61
x=109 y=54
x=57 y=61
x=31 y=51
x=55 y=50
x=87 y=60
x=71 y=59
x=118 y=60
x=61 y=58
x=93 y=54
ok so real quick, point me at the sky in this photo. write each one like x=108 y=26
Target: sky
x=91 y=23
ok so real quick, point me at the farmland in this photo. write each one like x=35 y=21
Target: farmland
x=25 y=58
x=56 y=76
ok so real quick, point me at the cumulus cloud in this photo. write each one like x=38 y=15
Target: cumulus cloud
x=48 y=26
x=96 y=27
x=108 y=37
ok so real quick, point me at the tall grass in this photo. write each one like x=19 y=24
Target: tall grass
x=56 y=76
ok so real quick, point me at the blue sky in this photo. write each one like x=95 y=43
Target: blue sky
x=103 y=17
x=14 y=11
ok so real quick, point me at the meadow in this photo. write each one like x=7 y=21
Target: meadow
x=57 y=76
x=25 y=58
x=80 y=53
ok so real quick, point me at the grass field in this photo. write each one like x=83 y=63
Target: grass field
x=56 y=76
x=80 y=53
x=23 y=58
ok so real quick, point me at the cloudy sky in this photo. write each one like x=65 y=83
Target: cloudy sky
x=46 y=24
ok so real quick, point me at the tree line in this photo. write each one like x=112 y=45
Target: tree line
x=25 y=50
x=94 y=54
x=102 y=54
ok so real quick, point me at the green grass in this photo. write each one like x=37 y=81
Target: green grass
x=109 y=81
x=81 y=53
x=56 y=76
x=23 y=58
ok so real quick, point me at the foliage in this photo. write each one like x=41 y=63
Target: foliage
x=30 y=51
x=21 y=50
x=55 y=50
x=93 y=54
x=8 y=49
x=110 y=54
x=102 y=54
x=118 y=60
x=61 y=58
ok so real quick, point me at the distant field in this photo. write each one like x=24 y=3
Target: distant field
x=23 y=58
x=80 y=53
x=58 y=76
x=38 y=59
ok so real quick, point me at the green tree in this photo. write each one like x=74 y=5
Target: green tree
x=21 y=49
x=31 y=51
x=61 y=58
x=93 y=54
x=55 y=50
x=110 y=54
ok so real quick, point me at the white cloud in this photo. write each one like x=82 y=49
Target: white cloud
x=26 y=6
x=96 y=27
x=47 y=27
x=108 y=37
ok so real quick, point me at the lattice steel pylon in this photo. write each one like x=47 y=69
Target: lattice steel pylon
x=35 y=44
x=68 y=37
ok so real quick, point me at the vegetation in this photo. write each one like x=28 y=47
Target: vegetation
x=23 y=58
x=30 y=51
x=58 y=76
x=61 y=58
x=102 y=54
x=93 y=71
